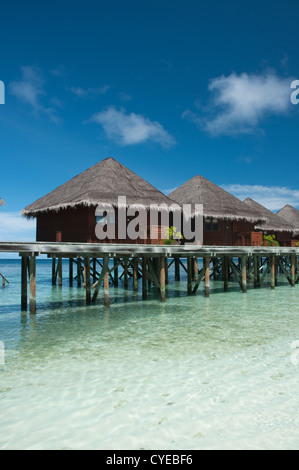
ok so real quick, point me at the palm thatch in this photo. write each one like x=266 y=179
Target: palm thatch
x=100 y=185
x=1 y=202
x=216 y=202
x=274 y=222
x=290 y=215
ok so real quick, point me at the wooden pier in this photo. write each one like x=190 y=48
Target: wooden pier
x=97 y=266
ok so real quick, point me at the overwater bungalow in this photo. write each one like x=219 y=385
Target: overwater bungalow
x=227 y=220
x=1 y=202
x=71 y=212
x=291 y=215
x=275 y=225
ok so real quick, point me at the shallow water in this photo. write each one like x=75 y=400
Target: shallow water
x=191 y=373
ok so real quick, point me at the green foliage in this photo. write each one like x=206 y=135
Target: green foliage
x=270 y=240
x=173 y=236
x=297 y=244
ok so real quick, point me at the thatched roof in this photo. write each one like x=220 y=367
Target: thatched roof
x=290 y=214
x=1 y=202
x=216 y=202
x=100 y=185
x=274 y=222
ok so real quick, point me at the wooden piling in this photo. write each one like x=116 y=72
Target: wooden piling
x=79 y=272
x=189 y=275
x=115 y=278
x=207 y=276
x=106 y=283
x=243 y=273
x=135 y=274
x=225 y=273
x=71 y=271
x=24 y=284
x=273 y=272
x=87 y=280
x=59 y=270
x=163 y=262
x=144 y=278
x=32 y=282
x=177 y=269
x=293 y=270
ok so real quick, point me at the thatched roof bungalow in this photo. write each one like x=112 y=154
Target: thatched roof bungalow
x=275 y=225
x=227 y=220
x=1 y=202
x=291 y=215
x=68 y=213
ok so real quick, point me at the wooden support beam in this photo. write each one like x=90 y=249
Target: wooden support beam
x=71 y=271
x=126 y=265
x=116 y=264
x=53 y=272
x=293 y=270
x=256 y=272
x=177 y=269
x=144 y=278
x=135 y=274
x=163 y=262
x=244 y=273
x=87 y=280
x=195 y=269
x=24 y=284
x=59 y=270
x=32 y=282
x=225 y=273
x=273 y=272
x=106 y=283
x=79 y=272
x=207 y=276
x=189 y=275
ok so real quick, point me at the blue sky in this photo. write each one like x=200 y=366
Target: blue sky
x=169 y=88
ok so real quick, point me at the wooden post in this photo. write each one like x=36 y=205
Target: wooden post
x=256 y=271
x=87 y=280
x=59 y=267
x=144 y=280
x=244 y=273
x=24 y=287
x=225 y=273
x=53 y=272
x=115 y=264
x=135 y=274
x=163 y=262
x=273 y=269
x=293 y=270
x=166 y=271
x=106 y=283
x=71 y=271
x=189 y=274
x=79 y=272
x=207 y=276
x=32 y=278
x=177 y=269
x=195 y=269
x=126 y=262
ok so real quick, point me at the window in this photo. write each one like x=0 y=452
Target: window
x=211 y=225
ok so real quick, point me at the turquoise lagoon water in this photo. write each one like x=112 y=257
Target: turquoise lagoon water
x=191 y=373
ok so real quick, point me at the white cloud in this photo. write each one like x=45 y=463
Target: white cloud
x=30 y=90
x=14 y=227
x=272 y=197
x=89 y=92
x=239 y=103
x=131 y=129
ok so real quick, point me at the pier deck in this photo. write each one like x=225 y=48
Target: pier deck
x=150 y=263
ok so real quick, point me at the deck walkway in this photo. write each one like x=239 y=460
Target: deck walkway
x=150 y=264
